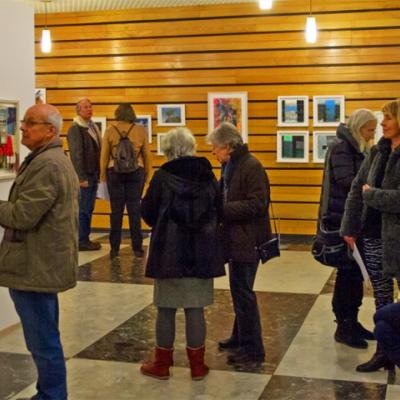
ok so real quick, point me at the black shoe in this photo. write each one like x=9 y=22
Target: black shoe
x=114 y=254
x=229 y=343
x=89 y=246
x=245 y=356
x=364 y=333
x=378 y=361
x=348 y=334
x=138 y=253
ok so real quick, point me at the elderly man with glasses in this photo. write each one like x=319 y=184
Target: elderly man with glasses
x=39 y=250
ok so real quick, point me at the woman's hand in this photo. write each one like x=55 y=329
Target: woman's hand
x=351 y=241
x=365 y=187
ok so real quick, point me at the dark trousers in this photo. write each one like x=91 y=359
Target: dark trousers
x=125 y=190
x=39 y=317
x=86 y=207
x=348 y=293
x=387 y=331
x=247 y=325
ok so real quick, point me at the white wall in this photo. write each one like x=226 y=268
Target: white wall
x=17 y=82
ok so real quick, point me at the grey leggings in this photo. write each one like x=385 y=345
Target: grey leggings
x=195 y=327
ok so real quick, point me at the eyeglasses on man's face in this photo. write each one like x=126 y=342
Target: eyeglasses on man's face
x=31 y=123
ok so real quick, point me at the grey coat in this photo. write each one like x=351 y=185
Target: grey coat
x=385 y=199
x=39 y=251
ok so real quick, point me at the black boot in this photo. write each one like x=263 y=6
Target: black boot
x=348 y=334
x=378 y=361
x=364 y=333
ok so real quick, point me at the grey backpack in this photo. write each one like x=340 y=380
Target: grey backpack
x=123 y=154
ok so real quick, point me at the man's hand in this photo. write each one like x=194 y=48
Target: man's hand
x=351 y=241
x=366 y=187
x=84 y=184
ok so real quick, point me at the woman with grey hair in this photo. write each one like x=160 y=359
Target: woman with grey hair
x=246 y=225
x=182 y=205
x=345 y=155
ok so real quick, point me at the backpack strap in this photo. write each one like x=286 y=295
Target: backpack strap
x=127 y=133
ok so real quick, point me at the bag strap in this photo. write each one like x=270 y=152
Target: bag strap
x=127 y=133
x=273 y=216
x=326 y=184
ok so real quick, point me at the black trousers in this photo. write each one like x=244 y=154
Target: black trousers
x=247 y=325
x=348 y=292
x=125 y=190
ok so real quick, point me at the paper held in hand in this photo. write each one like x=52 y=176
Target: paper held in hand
x=360 y=262
x=102 y=191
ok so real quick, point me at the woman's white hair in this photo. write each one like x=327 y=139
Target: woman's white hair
x=356 y=121
x=178 y=142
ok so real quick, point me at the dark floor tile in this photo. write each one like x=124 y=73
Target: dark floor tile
x=125 y=269
x=17 y=371
x=293 y=388
x=281 y=314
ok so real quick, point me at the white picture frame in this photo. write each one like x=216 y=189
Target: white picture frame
x=286 y=152
x=40 y=95
x=228 y=107
x=145 y=120
x=321 y=140
x=9 y=135
x=328 y=110
x=160 y=137
x=101 y=123
x=171 y=115
x=293 y=111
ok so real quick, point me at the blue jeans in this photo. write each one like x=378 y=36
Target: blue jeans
x=86 y=207
x=39 y=317
x=387 y=331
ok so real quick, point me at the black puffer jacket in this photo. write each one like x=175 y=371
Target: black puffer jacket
x=183 y=206
x=345 y=161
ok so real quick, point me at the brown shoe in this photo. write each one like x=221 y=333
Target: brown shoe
x=89 y=246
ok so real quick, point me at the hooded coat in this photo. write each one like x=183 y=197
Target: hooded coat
x=183 y=206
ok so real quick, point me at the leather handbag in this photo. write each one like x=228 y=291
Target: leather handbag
x=270 y=248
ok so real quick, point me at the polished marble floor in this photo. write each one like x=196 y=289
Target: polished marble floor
x=107 y=326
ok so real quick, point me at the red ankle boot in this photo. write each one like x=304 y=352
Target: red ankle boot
x=196 y=359
x=159 y=368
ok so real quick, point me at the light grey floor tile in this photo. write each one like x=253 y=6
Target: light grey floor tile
x=88 y=312
x=393 y=392
x=315 y=354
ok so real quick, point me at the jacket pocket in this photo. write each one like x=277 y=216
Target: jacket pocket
x=13 y=258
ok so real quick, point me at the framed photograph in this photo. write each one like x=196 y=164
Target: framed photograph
x=101 y=123
x=171 y=115
x=145 y=120
x=160 y=137
x=40 y=96
x=9 y=136
x=228 y=107
x=321 y=141
x=292 y=146
x=328 y=110
x=292 y=110
x=379 y=129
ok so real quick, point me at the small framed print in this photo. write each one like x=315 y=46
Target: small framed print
x=328 y=110
x=160 y=137
x=9 y=137
x=379 y=129
x=321 y=141
x=40 y=96
x=292 y=110
x=228 y=107
x=101 y=123
x=145 y=120
x=292 y=146
x=171 y=115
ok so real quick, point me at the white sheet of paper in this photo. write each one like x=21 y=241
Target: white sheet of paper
x=102 y=191
x=360 y=262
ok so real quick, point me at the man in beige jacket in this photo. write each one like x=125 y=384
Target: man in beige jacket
x=39 y=250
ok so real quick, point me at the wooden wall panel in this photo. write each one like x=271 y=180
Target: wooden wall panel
x=178 y=55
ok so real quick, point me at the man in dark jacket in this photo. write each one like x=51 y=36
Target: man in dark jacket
x=84 y=143
x=246 y=225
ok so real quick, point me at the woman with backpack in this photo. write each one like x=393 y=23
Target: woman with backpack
x=182 y=206
x=125 y=165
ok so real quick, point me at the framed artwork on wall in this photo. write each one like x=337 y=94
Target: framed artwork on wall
x=40 y=96
x=379 y=129
x=145 y=120
x=228 y=107
x=160 y=137
x=101 y=123
x=292 y=146
x=171 y=115
x=292 y=110
x=9 y=136
x=328 y=110
x=321 y=141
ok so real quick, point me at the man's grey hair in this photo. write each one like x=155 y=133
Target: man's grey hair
x=178 y=142
x=78 y=104
x=55 y=119
x=225 y=134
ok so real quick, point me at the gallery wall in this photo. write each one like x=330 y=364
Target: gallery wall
x=179 y=55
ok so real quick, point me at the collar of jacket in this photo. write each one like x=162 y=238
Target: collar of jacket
x=81 y=122
x=34 y=153
x=385 y=145
x=343 y=132
x=239 y=152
